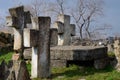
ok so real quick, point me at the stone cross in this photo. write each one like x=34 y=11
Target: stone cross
x=18 y=20
x=117 y=53
x=65 y=29
x=39 y=39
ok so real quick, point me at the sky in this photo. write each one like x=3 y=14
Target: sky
x=111 y=12
x=112 y=15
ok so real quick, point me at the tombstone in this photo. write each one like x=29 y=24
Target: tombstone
x=65 y=29
x=38 y=38
x=117 y=53
x=30 y=40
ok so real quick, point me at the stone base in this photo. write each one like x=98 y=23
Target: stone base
x=101 y=63
x=98 y=64
x=60 y=55
x=27 y=53
x=58 y=63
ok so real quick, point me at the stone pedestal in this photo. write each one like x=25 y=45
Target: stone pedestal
x=60 y=55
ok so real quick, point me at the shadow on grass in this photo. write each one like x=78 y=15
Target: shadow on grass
x=81 y=71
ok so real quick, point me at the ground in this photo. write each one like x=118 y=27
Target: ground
x=74 y=72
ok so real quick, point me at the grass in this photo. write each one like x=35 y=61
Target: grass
x=87 y=73
x=73 y=72
x=111 y=54
x=5 y=55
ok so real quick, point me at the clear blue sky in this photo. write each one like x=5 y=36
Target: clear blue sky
x=111 y=12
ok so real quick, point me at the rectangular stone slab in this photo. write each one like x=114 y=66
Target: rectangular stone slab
x=53 y=37
x=17 y=39
x=30 y=37
x=77 y=53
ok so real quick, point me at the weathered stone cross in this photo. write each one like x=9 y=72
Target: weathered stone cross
x=65 y=29
x=18 y=20
x=38 y=39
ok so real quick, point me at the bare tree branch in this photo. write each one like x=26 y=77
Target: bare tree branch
x=86 y=11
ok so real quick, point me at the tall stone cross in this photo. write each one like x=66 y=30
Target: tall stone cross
x=18 y=20
x=65 y=29
x=39 y=39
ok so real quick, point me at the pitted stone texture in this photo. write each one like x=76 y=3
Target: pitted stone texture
x=79 y=53
x=27 y=53
x=58 y=63
x=44 y=47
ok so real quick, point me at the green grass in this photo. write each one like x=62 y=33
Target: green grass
x=73 y=72
x=29 y=67
x=111 y=54
x=5 y=55
x=87 y=73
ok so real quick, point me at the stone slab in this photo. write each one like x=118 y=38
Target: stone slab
x=53 y=37
x=27 y=53
x=30 y=37
x=17 y=39
x=78 y=53
x=58 y=63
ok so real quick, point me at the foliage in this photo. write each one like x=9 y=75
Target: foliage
x=5 y=55
x=111 y=54
x=86 y=73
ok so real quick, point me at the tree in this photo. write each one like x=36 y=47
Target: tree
x=36 y=7
x=100 y=30
x=61 y=6
x=84 y=14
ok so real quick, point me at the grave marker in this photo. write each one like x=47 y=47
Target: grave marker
x=65 y=29
x=39 y=39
